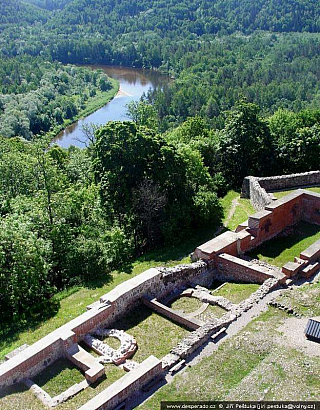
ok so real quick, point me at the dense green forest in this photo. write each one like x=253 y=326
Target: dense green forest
x=244 y=100
x=37 y=96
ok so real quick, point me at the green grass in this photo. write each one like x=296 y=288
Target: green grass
x=112 y=342
x=19 y=398
x=283 y=249
x=236 y=292
x=305 y=300
x=281 y=194
x=215 y=311
x=242 y=211
x=186 y=304
x=226 y=202
x=248 y=366
x=58 y=377
x=155 y=335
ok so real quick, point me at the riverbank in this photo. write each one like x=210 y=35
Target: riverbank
x=93 y=104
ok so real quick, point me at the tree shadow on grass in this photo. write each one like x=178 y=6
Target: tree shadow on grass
x=274 y=247
x=179 y=249
x=9 y=331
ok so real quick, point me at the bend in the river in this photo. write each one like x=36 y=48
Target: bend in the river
x=133 y=83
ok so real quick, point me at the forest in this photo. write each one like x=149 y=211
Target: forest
x=38 y=96
x=244 y=101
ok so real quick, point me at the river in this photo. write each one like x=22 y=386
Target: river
x=133 y=83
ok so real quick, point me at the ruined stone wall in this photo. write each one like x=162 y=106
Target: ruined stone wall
x=154 y=283
x=123 y=388
x=252 y=189
x=256 y=188
x=112 y=306
x=283 y=182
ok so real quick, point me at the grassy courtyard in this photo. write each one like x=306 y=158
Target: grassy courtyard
x=58 y=377
x=19 y=398
x=186 y=304
x=283 y=249
x=253 y=365
x=155 y=335
x=236 y=292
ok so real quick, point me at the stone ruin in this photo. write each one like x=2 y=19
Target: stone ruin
x=219 y=259
x=259 y=189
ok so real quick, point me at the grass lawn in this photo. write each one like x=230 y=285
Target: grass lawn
x=304 y=299
x=280 y=194
x=186 y=304
x=215 y=311
x=58 y=377
x=242 y=212
x=236 y=292
x=283 y=249
x=19 y=398
x=155 y=335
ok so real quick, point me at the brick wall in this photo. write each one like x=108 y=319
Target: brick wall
x=126 y=386
x=235 y=269
x=113 y=305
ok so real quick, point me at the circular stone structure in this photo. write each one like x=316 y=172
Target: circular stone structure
x=128 y=345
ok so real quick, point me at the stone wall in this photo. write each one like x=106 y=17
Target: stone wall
x=256 y=188
x=120 y=390
x=231 y=268
x=283 y=182
x=252 y=189
x=158 y=283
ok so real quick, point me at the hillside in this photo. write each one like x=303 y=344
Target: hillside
x=204 y=17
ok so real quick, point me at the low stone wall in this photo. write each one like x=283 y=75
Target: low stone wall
x=131 y=383
x=188 y=322
x=200 y=336
x=282 y=182
x=112 y=306
x=252 y=189
x=235 y=269
x=256 y=188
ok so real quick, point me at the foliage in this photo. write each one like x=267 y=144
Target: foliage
x=244 y=143
x=133 y=162
x=36 y=96
x=53 y=231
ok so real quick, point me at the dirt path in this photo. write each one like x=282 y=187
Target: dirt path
x=234 y=204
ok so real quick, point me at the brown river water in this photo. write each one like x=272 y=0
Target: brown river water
x=133 y=83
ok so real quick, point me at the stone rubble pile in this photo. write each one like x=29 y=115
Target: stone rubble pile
x=108 y=354
x=282 y=306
